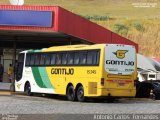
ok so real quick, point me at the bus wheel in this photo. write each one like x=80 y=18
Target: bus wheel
x=28 y=89
x=70 y=93
x=80 y=94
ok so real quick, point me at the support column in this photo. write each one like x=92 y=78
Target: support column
x=14 y=55
x=12 y=88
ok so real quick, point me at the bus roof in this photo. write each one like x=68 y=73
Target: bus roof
x=68 y=47
x=80 y=46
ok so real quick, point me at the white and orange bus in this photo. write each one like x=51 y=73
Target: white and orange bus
x=78 y=71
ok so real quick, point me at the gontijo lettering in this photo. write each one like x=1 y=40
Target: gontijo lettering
x=62 y=71
x=116 y=62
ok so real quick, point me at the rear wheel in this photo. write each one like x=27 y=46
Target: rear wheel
x=71 y=93
x=28 y=89
x=80 y=94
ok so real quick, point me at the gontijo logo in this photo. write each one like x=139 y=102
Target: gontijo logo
x=120 y=53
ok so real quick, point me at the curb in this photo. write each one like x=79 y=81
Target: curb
x=7 y=93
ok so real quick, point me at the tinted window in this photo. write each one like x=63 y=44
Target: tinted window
x=64 y=58
x=152 y=76
x=98 y=57
x=92 y=57
x=83 y=57
x=42 y=59
x=47 y=59
x=32 y=59
x=58 y=58
x=70 y=58
x=37 y=59
x=28 y=59
x=76 y=58
x=53 y=59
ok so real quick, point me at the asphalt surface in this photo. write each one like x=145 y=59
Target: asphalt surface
x=22 y=104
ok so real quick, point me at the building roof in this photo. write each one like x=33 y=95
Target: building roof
x=54 y=24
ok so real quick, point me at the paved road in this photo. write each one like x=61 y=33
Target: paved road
x=21 y=104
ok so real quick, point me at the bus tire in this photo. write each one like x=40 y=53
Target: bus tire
x=80 y=94
x=28 y=89
x=71 y=93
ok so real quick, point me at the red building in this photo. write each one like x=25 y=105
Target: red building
x=43 y=26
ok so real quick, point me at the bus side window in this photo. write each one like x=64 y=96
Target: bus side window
x=53 y=58
x=42 y=59
x=64 y=58
x=37 y=58
x=28 y=56
x=92 y=57
x=47 y=59
x=32 y=59
x=83 y=57
x=76 y=58
x=70 y=58
x=97 y=57
x=89 y=58
x=58 y=59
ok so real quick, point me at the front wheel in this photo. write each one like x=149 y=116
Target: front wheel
x=80 y=94
x=28 y=89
